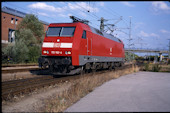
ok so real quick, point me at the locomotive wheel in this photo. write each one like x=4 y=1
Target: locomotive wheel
x=111 y=67
x=93 y=71
x=93 y=68
x=82 y=70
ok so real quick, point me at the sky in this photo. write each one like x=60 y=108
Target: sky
x=150 y=21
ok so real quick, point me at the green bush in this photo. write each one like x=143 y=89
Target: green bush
x=8 y=53
x=20 y=51
x=169 y=61
x=146 y=67
x=34 y=53
x=156 y=68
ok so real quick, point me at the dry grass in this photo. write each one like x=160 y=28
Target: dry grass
x=81 y=87
x=165 y=68
x=156 y=67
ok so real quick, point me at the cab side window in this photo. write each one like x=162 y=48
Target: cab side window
x=84 y=34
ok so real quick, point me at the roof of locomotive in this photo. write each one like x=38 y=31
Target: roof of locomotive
x=94 y=30
x=64 y=23
x=109 y=36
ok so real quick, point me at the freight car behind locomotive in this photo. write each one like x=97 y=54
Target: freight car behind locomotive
x=70 y=48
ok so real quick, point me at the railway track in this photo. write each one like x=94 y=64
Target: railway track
x=17 y=87
x=19 y=65
x=18 y=69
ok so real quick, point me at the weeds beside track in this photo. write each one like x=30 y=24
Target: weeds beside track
x=79 y=87
x=82 y=87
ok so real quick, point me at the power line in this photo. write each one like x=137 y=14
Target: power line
x=107 y=8
x=68 y=10
x=88 y=12
x=94 y=16
x=169 y=49
x=112 y=11
x=104 y=9
x=125 y=23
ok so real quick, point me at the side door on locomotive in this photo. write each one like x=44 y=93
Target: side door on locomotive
x=86 y=43
x=85 y=47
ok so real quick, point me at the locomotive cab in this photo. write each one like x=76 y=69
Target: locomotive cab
x=60 y=46
x=58 y=41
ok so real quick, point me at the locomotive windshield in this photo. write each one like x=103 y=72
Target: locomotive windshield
x=60 y=31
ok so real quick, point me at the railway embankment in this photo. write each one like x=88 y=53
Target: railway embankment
x=76 y=89
x=48 y=94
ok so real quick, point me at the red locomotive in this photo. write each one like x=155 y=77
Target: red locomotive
x=70 y=48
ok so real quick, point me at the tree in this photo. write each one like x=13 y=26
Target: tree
x=20 y=51
x=32 y=33
x=31 y=22
x=29 y=36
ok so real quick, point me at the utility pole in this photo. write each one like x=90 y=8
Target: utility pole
x=130 y=33
x=169 y=49
x=129 y=44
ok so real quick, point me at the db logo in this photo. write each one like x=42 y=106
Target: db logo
x=57 y=44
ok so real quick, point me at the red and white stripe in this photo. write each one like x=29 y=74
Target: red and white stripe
x=57 y=45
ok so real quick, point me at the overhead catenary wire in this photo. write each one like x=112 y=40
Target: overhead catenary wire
x=87 y=11
x=87 y=15
x=124 y=20
x=111 y=12
x=68 y=10
x=114 y=13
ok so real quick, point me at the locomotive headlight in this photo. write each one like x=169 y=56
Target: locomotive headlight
x=58 y=40
x=44 y=52
x=69 y=52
